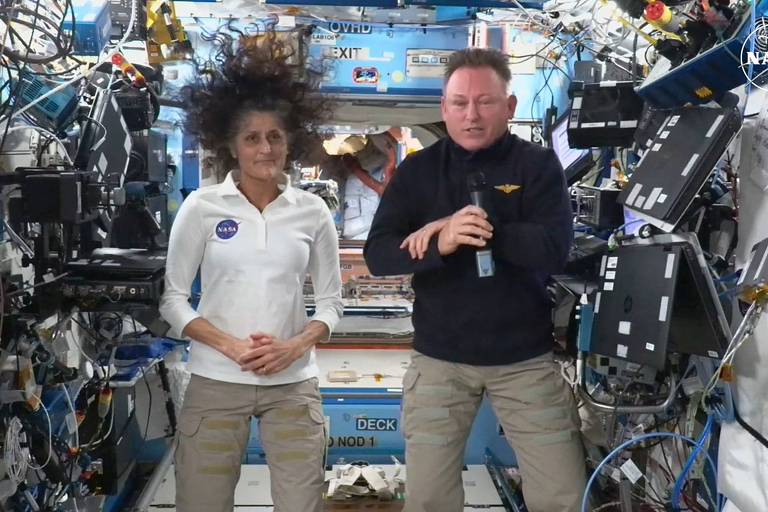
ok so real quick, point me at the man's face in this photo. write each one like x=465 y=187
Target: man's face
x=476 y=107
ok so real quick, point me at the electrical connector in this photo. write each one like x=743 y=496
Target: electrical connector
x=727 y=374
x=105 y=400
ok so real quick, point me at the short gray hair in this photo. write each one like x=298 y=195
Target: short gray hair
x=479 y=58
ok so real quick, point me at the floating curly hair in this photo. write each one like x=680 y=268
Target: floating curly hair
x=263 y=73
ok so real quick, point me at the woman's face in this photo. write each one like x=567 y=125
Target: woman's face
x=260 y=146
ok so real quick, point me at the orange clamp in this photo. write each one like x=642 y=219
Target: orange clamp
x=129 y=70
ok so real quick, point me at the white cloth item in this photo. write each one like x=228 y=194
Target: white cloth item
x=252 y=266
x=360 y=204
x=742 y=460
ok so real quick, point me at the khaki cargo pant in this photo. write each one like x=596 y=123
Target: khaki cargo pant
x=534 y=406
x=214 y=427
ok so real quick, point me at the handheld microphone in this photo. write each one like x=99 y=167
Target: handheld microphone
x=483 y=257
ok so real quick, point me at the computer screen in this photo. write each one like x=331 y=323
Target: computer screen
x=105 y=146
x=632 y=222
x=575 y=162
x=655 y=298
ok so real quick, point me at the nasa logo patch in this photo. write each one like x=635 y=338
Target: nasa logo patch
x=226 y=229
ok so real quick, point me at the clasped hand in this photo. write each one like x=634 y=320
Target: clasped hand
x=264 y=354
x=468 y=226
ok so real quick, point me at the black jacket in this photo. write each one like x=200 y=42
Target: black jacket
x=458 y=316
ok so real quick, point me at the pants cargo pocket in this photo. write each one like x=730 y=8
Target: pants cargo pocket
x=316 y=414
x=187 y=429
x=293 y=437
x=211 y=446
x=189 y=425
x=212 y=435
x=409 y=383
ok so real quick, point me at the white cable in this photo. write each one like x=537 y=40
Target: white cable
x=134 y=8
x=84 y=354
x=50 y=434
x=13 y=453
x=743 y=333
x=39 y=129
x=42 y=283
x=96 y=367
x=15 y=238
x=573 y=382
x=103 y=130
x=93 y=444
x=533 y=17
x=74 y=414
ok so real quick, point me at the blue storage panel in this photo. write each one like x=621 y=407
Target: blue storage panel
x=93 y=24
x=714 y=71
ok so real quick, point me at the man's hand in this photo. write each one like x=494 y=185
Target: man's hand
x=236 y=349
x=418 y=241
x=468 y=226
x=265 y=355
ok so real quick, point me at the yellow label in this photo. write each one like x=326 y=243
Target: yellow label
x=507 y=189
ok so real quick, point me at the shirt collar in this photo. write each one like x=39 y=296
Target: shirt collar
x=229 y=186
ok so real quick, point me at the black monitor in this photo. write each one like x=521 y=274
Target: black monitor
x=603 y=114
x=656 y=298
x=679 y=163
x=575 y=162
x=106 y=144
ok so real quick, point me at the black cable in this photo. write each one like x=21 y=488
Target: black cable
x=35 y=26
x=41 y=149
x=19 y=85
x=34 y=285
x=12 y=54
x=551 y=94
x=100 y=318
x=546 y=84
x=656 y=498
x=519 y=59
x=89 y=330
x=119 y=437
x=34 y=14
x=73 y=24
x=645 y=54
x=632 y=61
x=746 y=426
x=149 y=411
x=666 y=459
x=7 y=65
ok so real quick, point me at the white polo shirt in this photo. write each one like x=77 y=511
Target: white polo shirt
x=252 y=266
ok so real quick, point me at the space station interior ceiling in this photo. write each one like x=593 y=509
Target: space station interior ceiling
x=655 y=109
